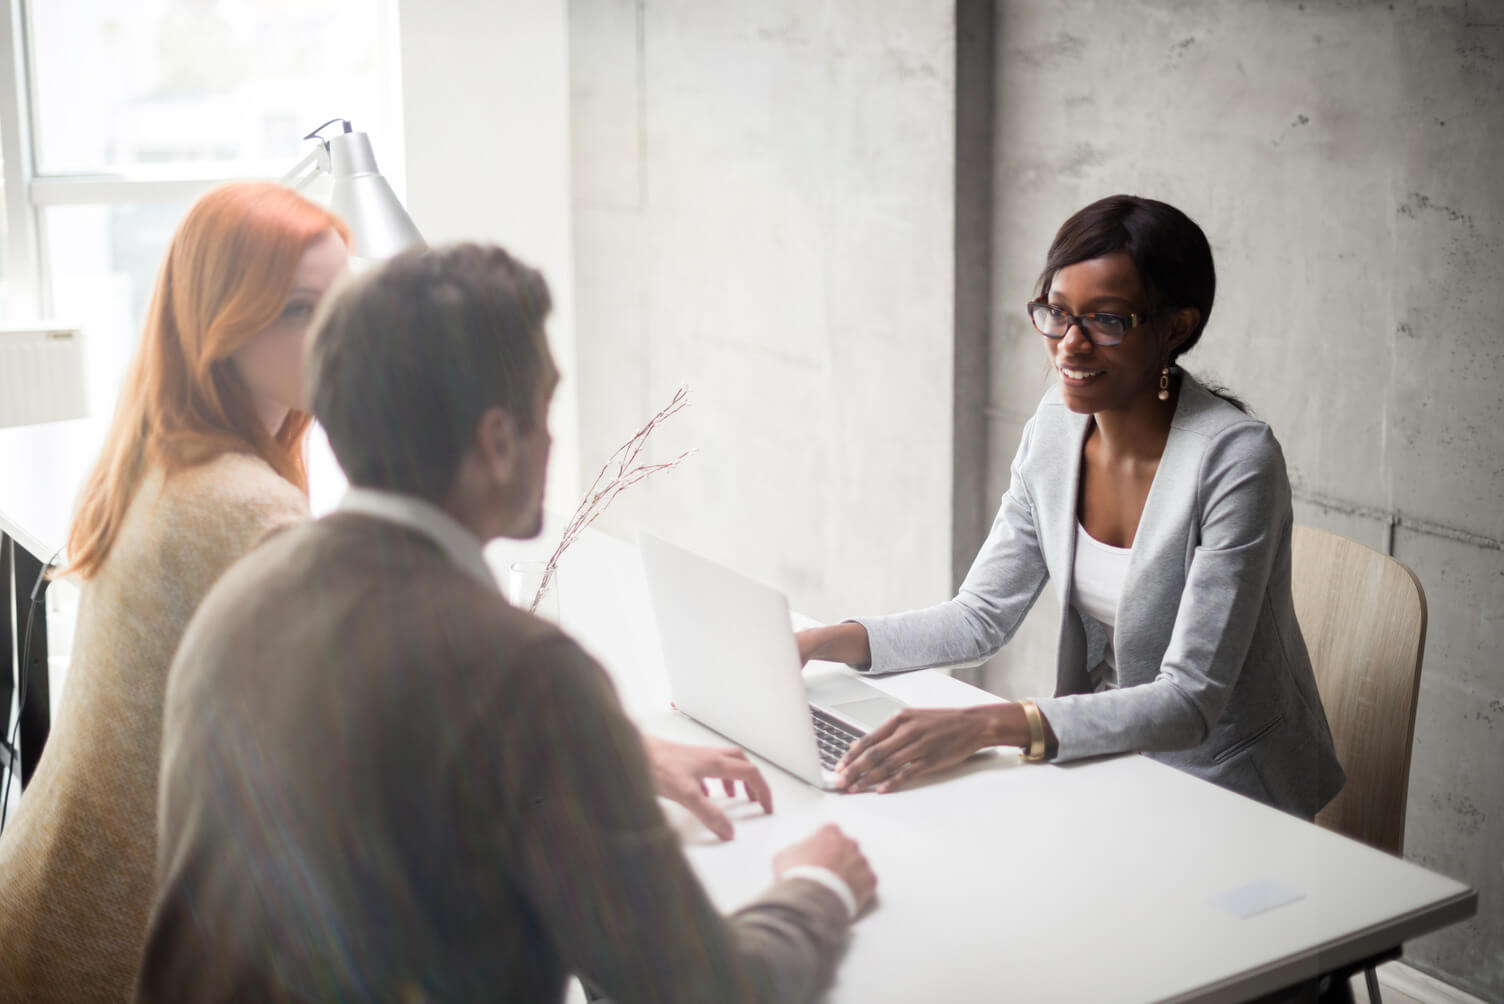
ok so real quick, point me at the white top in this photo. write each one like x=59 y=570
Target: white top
x=455 y=539
x=1096 y=586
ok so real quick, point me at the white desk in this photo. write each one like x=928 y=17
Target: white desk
x=42 y=468
x=1089 y=882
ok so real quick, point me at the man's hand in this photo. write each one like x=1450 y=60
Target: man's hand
x=680 y=772
x=914 y=742
x=829 y=848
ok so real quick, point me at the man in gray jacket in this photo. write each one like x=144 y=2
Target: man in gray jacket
x=380 y=781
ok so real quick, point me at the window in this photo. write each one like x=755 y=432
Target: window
x=122 y=114
x=227 y=84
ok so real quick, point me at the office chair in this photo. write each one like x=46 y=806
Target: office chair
x=1363 y=615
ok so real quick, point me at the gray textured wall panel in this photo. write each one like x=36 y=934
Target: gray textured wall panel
x=789 y=257
x=1455 y=822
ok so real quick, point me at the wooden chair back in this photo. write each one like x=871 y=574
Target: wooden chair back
x=1363 y=615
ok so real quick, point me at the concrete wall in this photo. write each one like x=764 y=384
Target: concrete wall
x=1344 y=158
x=762 y=211
x=485 y=99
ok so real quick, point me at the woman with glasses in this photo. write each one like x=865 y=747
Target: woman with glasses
x=1160 y=512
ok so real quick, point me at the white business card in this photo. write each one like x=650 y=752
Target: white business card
x=1255 y=898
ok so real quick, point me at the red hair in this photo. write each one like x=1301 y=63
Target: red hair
x=225 y=279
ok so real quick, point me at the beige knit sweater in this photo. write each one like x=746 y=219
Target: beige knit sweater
x=77 y=859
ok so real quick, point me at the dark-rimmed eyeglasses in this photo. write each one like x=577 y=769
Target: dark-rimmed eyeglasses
x=1101 y=329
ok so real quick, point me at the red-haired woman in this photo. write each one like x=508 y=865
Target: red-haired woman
x=204 y=458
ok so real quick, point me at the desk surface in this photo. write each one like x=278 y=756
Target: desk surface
x=1094 y=881
x=42 y=468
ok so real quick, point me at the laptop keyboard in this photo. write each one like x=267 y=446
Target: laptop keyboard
x=833 y=737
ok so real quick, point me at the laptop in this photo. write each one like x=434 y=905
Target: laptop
x=733 y=666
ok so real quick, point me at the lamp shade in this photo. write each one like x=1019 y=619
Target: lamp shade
x=362 y=198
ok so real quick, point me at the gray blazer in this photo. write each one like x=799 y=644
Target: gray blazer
x=1213 y=674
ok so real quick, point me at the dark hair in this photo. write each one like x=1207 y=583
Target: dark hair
x=405 y=360
x=1171 y=253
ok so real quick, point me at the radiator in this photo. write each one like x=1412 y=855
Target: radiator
x=41 y=375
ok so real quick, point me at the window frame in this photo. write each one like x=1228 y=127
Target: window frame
x=22 y=260
x=25 y=272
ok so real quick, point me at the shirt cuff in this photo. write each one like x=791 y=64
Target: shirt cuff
x=829 y=880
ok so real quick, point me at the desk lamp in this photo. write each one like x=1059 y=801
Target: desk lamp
x=379 y=226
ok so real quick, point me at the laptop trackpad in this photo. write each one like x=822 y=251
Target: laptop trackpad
x=870 y=712
x=854 y=700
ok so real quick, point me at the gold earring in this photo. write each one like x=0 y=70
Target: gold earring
x=1164 y=384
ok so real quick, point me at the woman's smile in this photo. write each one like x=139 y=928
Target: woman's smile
x=1078 y=376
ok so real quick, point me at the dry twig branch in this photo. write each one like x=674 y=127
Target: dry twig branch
x=620 y=472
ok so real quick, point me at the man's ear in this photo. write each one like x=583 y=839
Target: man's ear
x=498 y=444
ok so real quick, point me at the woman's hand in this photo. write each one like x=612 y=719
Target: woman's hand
x=680 y=771
x=914 y=742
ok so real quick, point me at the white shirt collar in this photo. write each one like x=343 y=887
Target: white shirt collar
x=464 y=548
